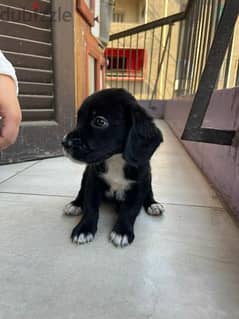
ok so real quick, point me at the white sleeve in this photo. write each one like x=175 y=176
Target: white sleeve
x=7 y=69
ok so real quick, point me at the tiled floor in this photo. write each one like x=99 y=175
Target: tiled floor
x=184 y=265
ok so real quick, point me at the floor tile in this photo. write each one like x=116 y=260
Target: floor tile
x=8 y=171
x=182 y=265
x=57 y=176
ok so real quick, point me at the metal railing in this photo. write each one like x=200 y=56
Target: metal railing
x=194 y=130
x=196 y=36
x=137 y=57
x=166 y=57
x=189 y=53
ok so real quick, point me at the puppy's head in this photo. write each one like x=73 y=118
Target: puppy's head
x=110 y=122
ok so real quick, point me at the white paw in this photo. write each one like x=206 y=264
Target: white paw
x=155 y=209
x=83 y=239
x=119 y=240
x=71 y=210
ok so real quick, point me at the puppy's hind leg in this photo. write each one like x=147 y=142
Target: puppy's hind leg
x=151 y=206
x=75 y=207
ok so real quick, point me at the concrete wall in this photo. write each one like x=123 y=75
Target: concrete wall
x=219 y=163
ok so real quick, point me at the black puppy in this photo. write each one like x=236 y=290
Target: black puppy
x=116 y=138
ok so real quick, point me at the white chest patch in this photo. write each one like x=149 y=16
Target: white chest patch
x=115 y=178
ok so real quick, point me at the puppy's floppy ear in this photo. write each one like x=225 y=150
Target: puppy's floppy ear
x=143 y=139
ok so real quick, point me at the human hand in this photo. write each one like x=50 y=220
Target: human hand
x=10 y=112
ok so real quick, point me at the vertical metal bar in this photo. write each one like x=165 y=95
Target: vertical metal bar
x=117 y=65
x=187 y=37
x=179 y=55
x=214 y=19
x=205 y=38
x=195 y=47
x=200 y=46
x=193 y=13
x=136 y=60
x=111 y=63
x=228 y=60
x=188 y=48
x=106 y=65
x=196 y=64
x=123 y=64
x=219 y=11
x=167 y=61
x=210 y=31
x=151 y=61
x=143 y=80
x=207 y=31
x=129 y=63
x=160 y=64
x=237 y=74
x=160 y=48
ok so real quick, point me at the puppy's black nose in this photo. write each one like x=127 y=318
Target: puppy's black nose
x=66 y=142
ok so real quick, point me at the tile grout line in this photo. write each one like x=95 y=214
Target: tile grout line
x=68 y=196
x=191 y=205
x=35 y=194
x=19 y=172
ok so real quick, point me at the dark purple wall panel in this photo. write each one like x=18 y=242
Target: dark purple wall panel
x=156 y=109
x=219 y=163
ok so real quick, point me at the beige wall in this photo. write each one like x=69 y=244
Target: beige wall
x=154 y=9
x=132 y=11
x=162 y=8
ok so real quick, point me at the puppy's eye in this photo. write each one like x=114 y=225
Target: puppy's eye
x=99 y=122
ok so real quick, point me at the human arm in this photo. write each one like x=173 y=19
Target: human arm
x=10 y=112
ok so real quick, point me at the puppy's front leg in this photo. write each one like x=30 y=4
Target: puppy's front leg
x=123 y=232
x=85 y=231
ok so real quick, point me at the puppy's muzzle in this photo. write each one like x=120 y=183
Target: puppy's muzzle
x=70 y=142
x=66 y=142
